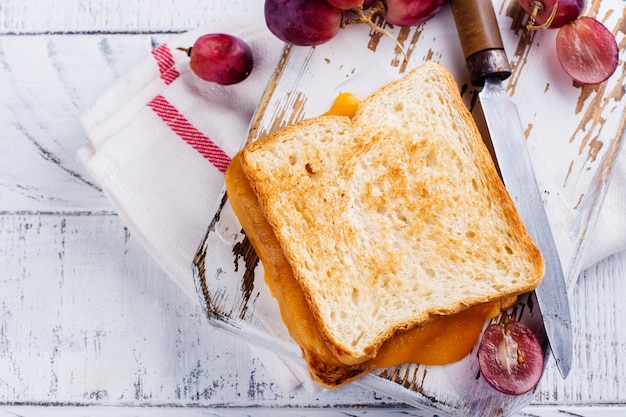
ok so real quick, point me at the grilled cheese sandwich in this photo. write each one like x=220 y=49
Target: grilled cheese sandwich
x=386 y=237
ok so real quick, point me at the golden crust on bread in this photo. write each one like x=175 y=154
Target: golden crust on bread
x=393 y=217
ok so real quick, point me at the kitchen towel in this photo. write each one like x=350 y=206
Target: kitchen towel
x=160 y=140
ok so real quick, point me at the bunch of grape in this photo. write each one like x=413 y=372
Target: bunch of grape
x=314 y=22
x=587 y=50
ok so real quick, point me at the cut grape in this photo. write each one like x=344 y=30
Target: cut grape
x=587 y=50
x=220 y=58
x=302 y=22
x=411 y=12
x=551 y=13
x=510 y=358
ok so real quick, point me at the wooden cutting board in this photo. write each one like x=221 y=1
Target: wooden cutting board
x=573 y=134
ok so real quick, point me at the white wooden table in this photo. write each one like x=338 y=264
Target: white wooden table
x=90 y=325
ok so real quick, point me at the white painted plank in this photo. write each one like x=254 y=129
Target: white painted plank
x=125 y=16
x=94 y=319
x=209 y=412
x=128 y=411
x=584 y=410
x=89 y=318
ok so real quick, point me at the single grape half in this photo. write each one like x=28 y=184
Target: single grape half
x=551 y=13
x=587 y=50
x=220 y=58
x=302 y=22
x=411 y=12
x=510 y=358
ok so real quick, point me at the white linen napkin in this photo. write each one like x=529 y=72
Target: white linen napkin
x=160 y=139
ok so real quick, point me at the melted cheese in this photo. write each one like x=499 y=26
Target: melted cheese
x=345 y=104
x=444 y=340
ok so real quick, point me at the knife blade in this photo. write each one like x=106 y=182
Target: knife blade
x=488 y=67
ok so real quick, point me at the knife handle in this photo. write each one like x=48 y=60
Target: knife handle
x=480 y=39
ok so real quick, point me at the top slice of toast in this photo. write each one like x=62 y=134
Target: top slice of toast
x=394 y=216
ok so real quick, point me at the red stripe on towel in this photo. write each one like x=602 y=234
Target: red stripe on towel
x=181 y=126
x=165 y=61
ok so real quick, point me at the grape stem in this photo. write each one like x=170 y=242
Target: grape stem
x=361 y=17
x=185 y=50
x=537 y=7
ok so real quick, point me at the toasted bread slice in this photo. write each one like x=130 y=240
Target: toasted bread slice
x=393 y=217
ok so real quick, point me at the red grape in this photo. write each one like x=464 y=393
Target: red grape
x=220 y=58
x=543 y=14
x=302 y=22
x=411 y=12
x=587 y=50
x=346 y=4
x=510 y=358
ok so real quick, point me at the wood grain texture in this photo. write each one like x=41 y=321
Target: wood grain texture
x=117 y=16
x=90 y=325
x=43 y=96
x=89 y=318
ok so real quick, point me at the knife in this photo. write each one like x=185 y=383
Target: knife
x=488 y=67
